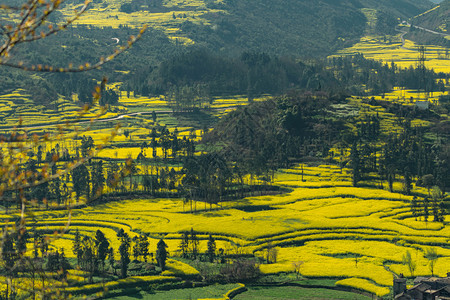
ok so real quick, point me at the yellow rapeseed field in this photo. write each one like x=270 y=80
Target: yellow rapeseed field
x=357 y=234
x=372 y=47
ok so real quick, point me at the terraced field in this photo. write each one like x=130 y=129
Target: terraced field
x=166 y=17
x=358 y=235
x=392 y=50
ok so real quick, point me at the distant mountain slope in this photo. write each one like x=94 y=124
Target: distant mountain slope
x=301 y=27
x=437 y=20
x=294 y=27
x=398 y=8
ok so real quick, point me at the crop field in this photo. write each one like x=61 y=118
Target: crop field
x=167 y=17
x=373 y=47
x=358 y=235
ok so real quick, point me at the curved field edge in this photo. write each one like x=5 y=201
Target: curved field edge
x=358 y=235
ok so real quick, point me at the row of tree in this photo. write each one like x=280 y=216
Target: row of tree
x=91 y=252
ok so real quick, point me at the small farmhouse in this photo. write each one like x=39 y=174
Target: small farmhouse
x=425 y=288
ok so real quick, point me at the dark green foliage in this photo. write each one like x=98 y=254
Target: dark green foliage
x=161 y=254
x=206 y=178
x=102 y=245
x=194 y=244
x=354 y=156
x=184 y=245
x=143 y=246
x=9 y=254
x=89 y=260
x=111 y=259
x=80 y=180
x=426 y=209
x=57 y=262
x=76 y=246
x=211 y=248
x=415 y=210
x=307 y=28
x=98 y=179
x=264 y=136
x=21 y=239
x=140 y=247
x=124 y=250
x=87 y=144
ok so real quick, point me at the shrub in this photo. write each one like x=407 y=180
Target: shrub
x=240 y=270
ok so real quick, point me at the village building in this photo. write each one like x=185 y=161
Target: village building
x=425 y=288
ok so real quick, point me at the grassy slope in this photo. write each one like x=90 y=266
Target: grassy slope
x=269 y=293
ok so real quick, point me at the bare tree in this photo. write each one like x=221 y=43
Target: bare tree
x=26 y=23
x=31 y=26
x=409 y=262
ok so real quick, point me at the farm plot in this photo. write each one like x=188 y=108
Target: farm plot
x=392 y=51
x=358 y=235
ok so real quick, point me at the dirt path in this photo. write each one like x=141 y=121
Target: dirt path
x=404 y=32
x=429 y=30
x=402 y=36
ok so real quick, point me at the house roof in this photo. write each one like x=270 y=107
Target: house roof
x=422 y=287
x=403 y=296
x=420 y=279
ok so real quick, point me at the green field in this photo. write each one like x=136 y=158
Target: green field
x=269 y=293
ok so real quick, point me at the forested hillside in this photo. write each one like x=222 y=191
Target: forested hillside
x=228 y=29
x=436 y=20
x=301 y=28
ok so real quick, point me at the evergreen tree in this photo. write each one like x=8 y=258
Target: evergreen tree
x=89 y=261
x=9 y=256
x=414 y=208
x=161 y=254
x=136 y=248
x=53 y=261
x=80 y=180
x=124 y=250
x=184 y=244
x=143 y=246
x=87 y=144
x=76 y=246
x=36 y=241
x=63 y=265
x=356 y=164
x=194 y=244
x=442 y=212
x=55 y=190
x=98 y=179
x=211 y=248
x=426 y=212
x=102 y=245
x=21 y=241
x=111 y=259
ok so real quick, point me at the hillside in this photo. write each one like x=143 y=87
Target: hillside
x=435 y=19
x=301 y=28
